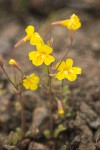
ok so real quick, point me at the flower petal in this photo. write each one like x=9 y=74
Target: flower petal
x=29 y=30
x=33 y=86
x=61 y=66
x=69 y=63
x=33 y=55
x=37 y=61
x=71 y=76
x=76 y=70
x=26 y=84
x=48 y=59
x=46 y=49
x=60 y=75
x=36 y=79
x=36 y=39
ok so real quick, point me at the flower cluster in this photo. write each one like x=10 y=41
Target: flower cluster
x=43 y=54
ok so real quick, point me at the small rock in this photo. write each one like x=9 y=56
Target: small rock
x=95 y=124
x=75 y=143
x=7 y=147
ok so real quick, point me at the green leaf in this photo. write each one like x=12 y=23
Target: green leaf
x=63 y=147
x=58 y=130
x=47 y=134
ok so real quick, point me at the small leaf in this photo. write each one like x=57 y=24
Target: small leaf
x=63 y=147
x=52 y=75
x=47 y=134
x=14 y=137
x=58 y=130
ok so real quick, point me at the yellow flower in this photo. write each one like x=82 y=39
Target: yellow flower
x=66 y=70
x=34 y=37
x=42 y=55
x=31 y=82
x=72 y=24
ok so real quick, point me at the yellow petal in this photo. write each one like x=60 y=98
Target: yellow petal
x=75 y=17
x=61 y=112
x=71 y=77
x=61 y=66
x=69 y=63
x=36 y=79
x=29 y=30
x=46 y=49
x=60 y=76
x=37 y=61
x=77 y=70
x=48 y=59
x=26 y=84
x=33 y=55
x=31 y=76
x=36 y=39
x=33 y=86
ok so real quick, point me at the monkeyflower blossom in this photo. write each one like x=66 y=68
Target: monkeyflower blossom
x=41 y=55
x=31 y=82
x=66 y=70
x=72 y=24
x=31 y=35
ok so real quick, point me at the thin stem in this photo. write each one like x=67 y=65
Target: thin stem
x=64 y=56
x=23 y=120
x=62 y=86
x=50 y=34
x=14 y=74
x=9 y=78
x=50 y=100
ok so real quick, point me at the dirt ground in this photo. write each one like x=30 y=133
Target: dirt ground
x=83 y=122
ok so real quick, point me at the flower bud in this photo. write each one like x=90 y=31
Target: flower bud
x=14 y=63
x=60 y=108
